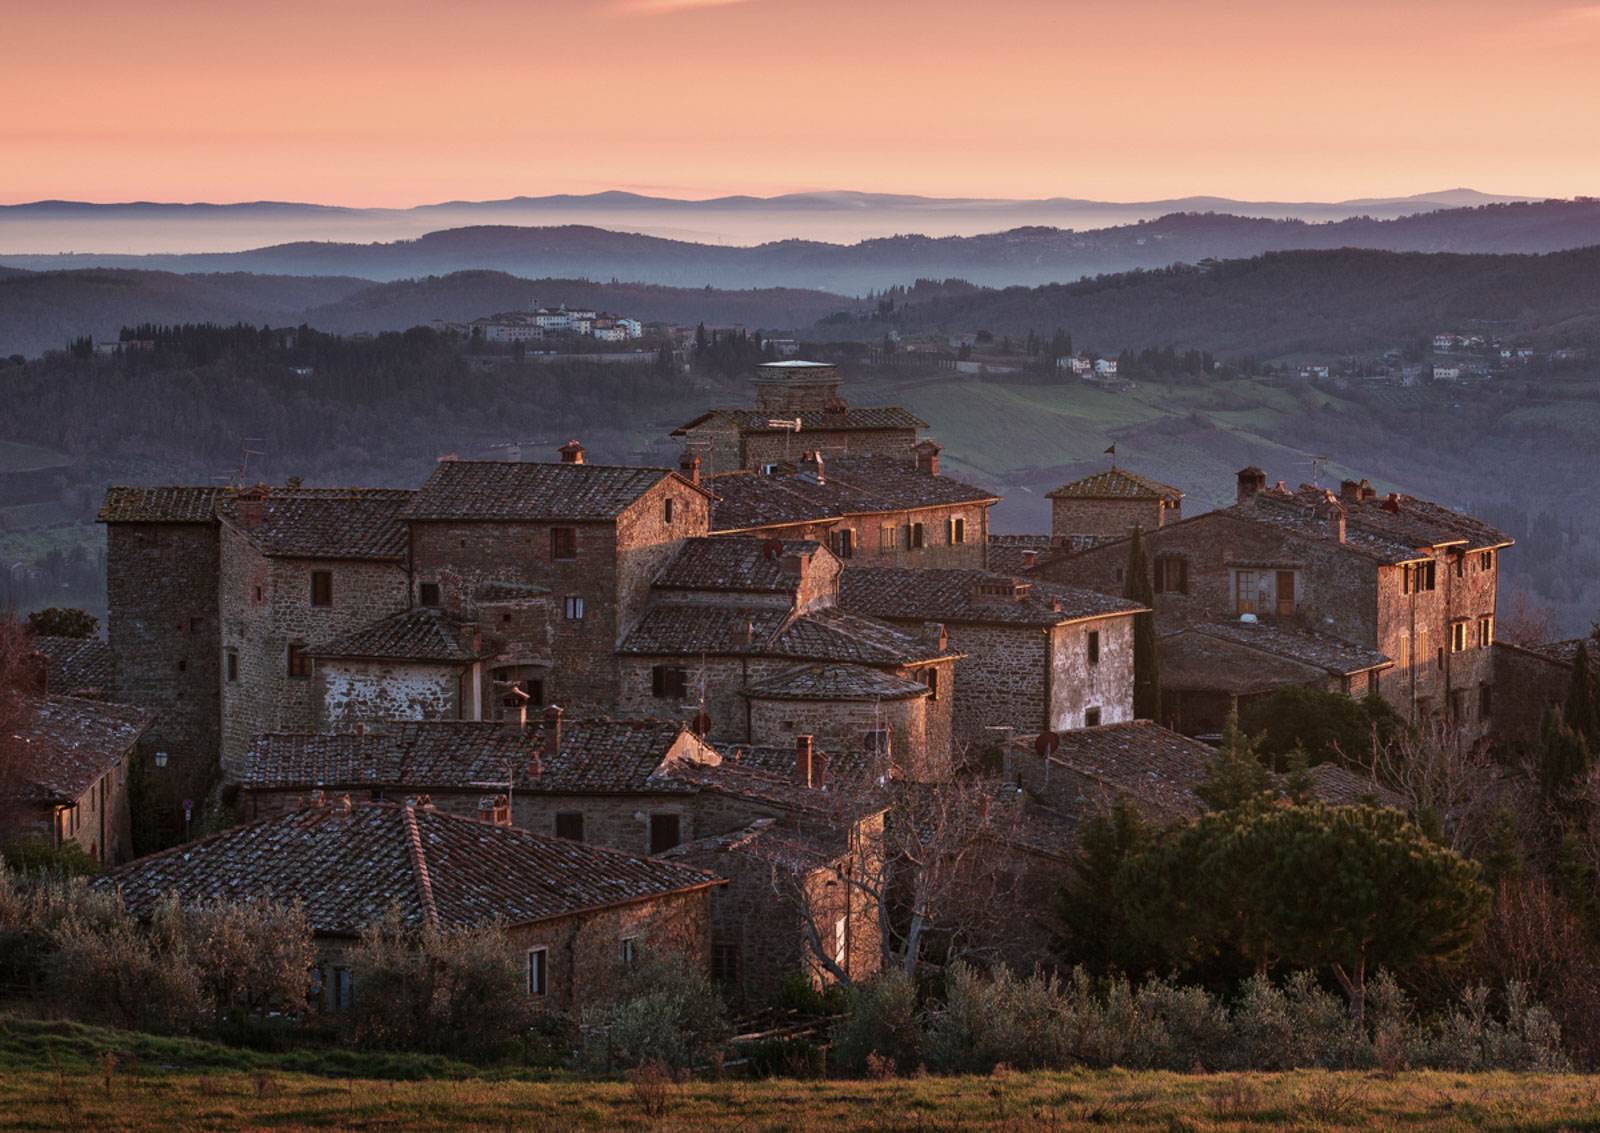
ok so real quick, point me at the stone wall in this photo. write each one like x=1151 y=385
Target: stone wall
x=162 y=622
x=1525 y=685
x=1075 y=515
x=266 y=608
x=583 y=951
x=761 y=449
x=1077 y=684
x=841 y=726
x=872 y=549
x=1434 y=680
x=374 y=694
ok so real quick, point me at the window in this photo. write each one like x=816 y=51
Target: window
x=341 y=989
x=1094 y=647
x=888 y=537
x=725 y=963
x=663 y=832
x=1244 y=592
x=1441 y=658
x=957 y=531
x=233 y=664
x=875 y=742
x=669 y=682
x=930 y=677
x=261 y=594
x=1418 y=577
x=1485 y=631
x=1171 y=574
x=1461 y=565
x=322 y=588
x=574 y=608
x=537 y=963
x=194 y=625
x=299 y=661
x=1285 y=593
x=428 y=594
x=666 y=510
x=569 y=825
x=843 y=542
x=630 y=951
x=563 y=542
x=913 y=536
x=1486 y=560
x=1091 y=717
x=1458 y=636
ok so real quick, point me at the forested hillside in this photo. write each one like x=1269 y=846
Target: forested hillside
x=1338 y=302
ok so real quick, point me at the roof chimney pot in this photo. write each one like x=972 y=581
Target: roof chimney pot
x=572 y=453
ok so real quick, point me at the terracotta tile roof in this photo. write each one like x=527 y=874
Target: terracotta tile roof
x=70 y=743
x=423 y=634
x=596 y=756
x=1339 y=786
x=811 y=420
x=835 y=682
x=349 y=867
x=326 y=523
x=1391 y=531
x=1330 y=654
x=1197 y=662
x=674 y=630
x=1566 y=651
x=498 y=490
x=1154 y=765
x=79 y=666
x=764 y=840
x=159 y=505
x=852 y=766
x=954 y=596
x=1117 y=484
x=851 y=485
x=1006 y=551
x=508 y=591
x=728 y=562
x=779 y=790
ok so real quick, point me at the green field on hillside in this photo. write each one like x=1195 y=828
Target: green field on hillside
x=15 y=456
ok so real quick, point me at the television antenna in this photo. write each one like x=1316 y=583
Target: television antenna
x=245 y=453
x=1319 y=465
x=514 y=449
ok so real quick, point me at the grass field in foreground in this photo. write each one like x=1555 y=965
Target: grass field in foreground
x=1045 y=1103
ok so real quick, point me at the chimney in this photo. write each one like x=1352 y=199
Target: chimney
x=572 y=453
x=742 y=638
x=495 y=810
x=1029 y=557
x=928 y=457
x=934 y=634
x=250 y=506
x=1350 y=490
x=802 y=760
x=689 y=467
x=361 y=729
x=1251 y=481
x=344 y=804
x=1391 y=503
x=1368 y=492
x=552 y=731
x=811 y=462
x=317 y=798
x=1331 y=512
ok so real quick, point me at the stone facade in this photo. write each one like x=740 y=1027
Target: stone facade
x=269 y=619
x=351 y=693
x=162 y=622
x=880 y=538
x=583 y=952
x=1526 y=684
x=1074 y=516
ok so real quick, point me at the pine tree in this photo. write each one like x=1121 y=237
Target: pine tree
x=1146 y=676
x=1236 y=776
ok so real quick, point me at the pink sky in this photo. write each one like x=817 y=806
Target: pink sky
x=399 y=102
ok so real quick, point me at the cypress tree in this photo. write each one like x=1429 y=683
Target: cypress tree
x=1582 y=711
x=1146 y=679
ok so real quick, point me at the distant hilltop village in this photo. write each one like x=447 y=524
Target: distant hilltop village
x=539 y=323
x=729 y=666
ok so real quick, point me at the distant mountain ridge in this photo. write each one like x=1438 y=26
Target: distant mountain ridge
x=155 y=227
x=1026 y=256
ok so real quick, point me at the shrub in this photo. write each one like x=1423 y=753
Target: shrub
x=660 y=1007
x=884 y=1020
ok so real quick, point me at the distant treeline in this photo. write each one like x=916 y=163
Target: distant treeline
x=363 y=410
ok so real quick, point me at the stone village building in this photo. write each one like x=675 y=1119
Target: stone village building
x=1409 y=581
x=573 y=911
x=798 y=409
x=73 y=762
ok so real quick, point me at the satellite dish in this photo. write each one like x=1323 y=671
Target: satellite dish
x=1045 y=744
x=700 y=725
x=772 y=550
